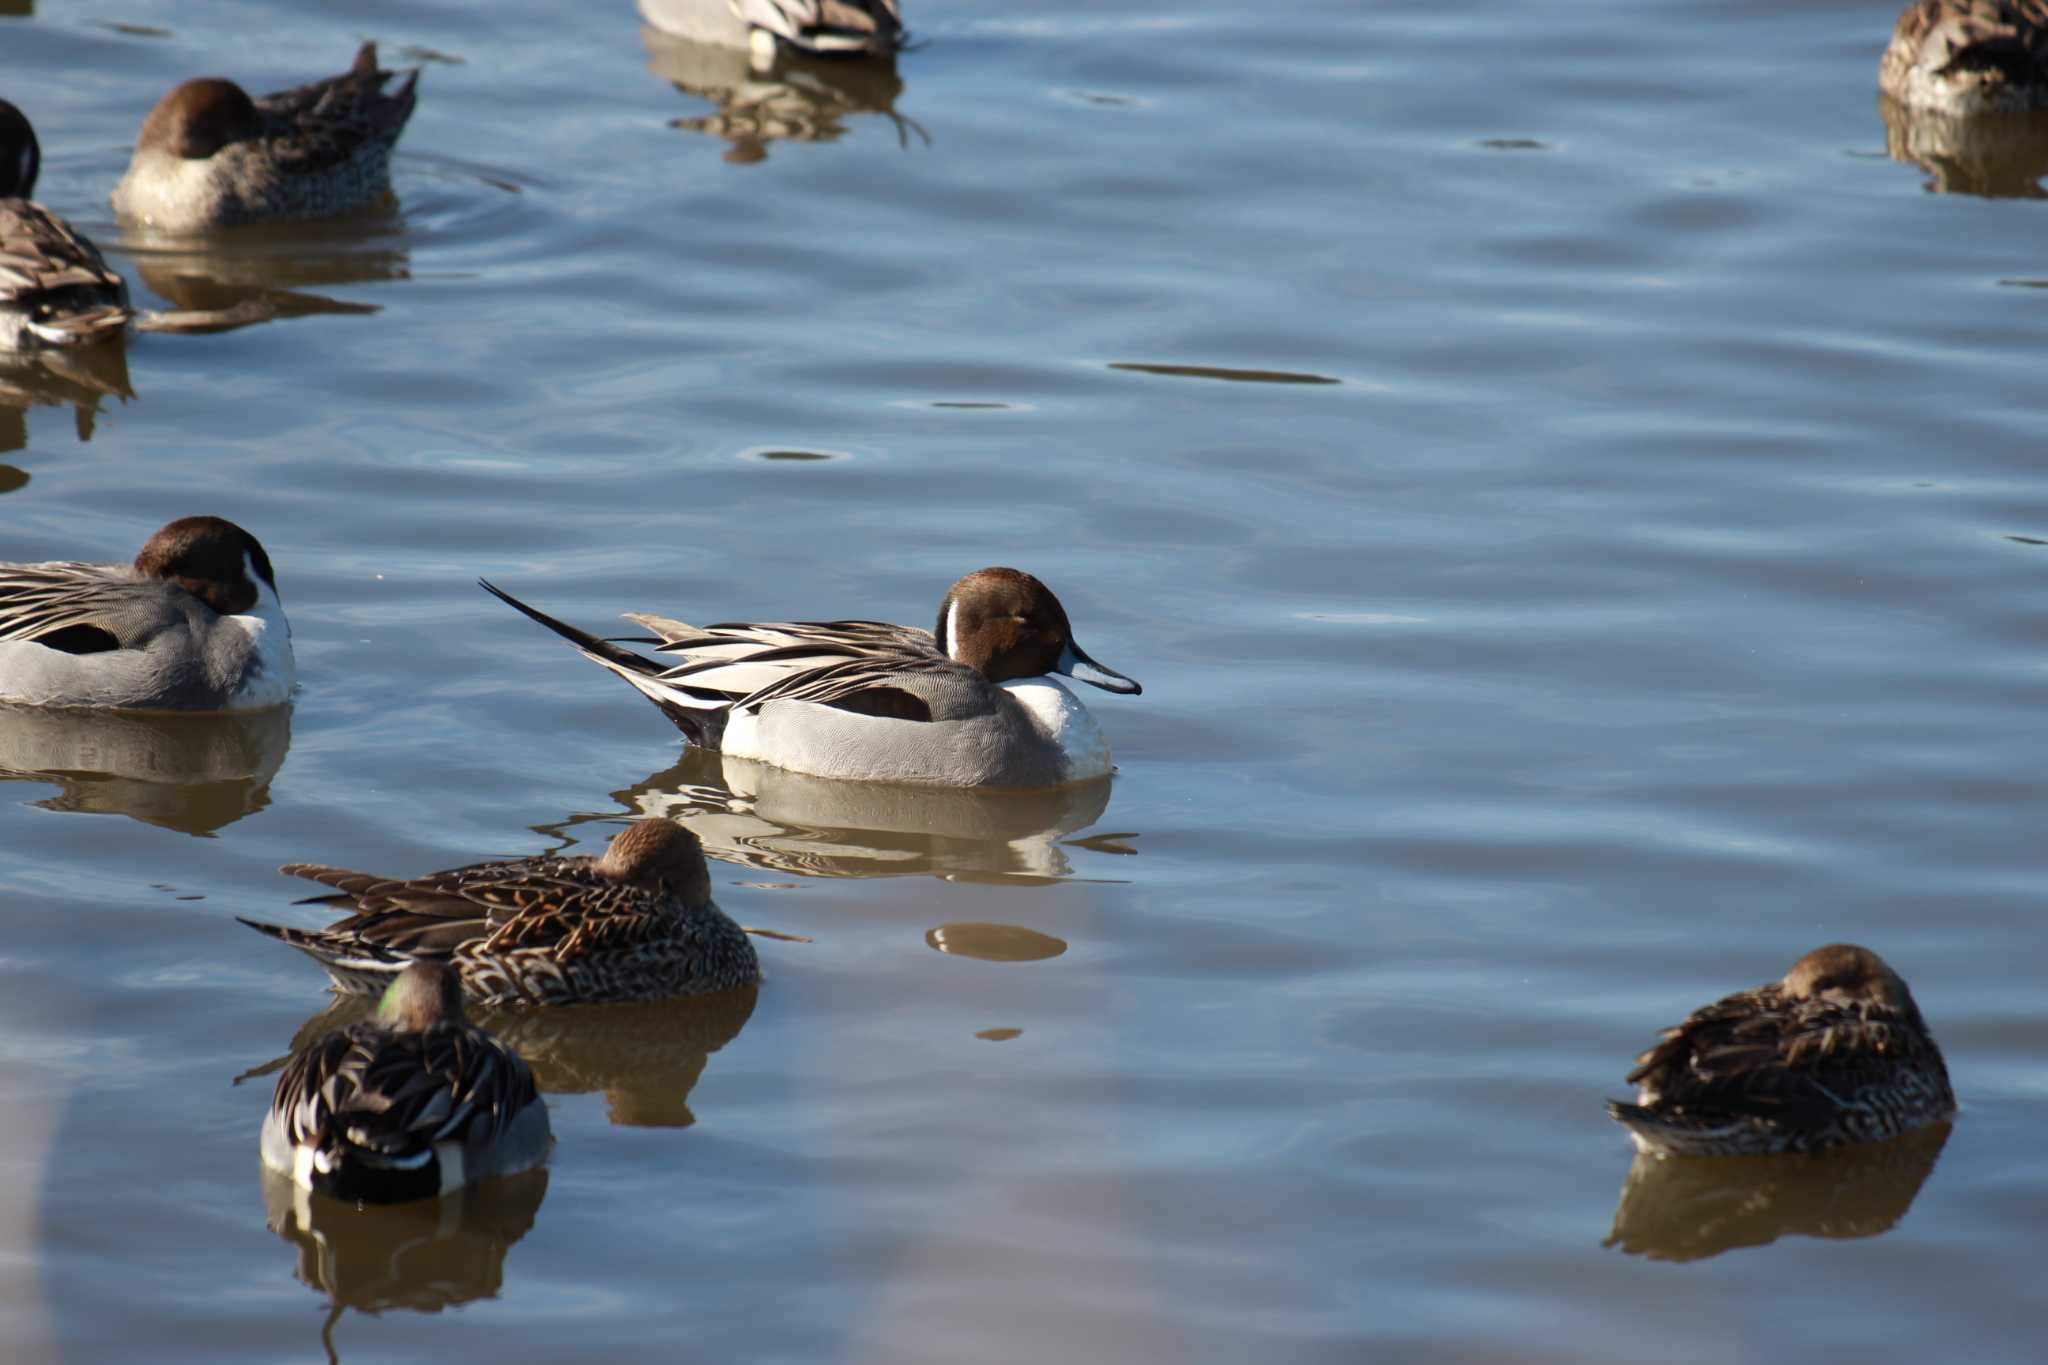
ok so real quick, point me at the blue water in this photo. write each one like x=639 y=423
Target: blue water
x=1644 y=592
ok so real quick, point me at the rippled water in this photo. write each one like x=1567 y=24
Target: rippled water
x=1574 y=502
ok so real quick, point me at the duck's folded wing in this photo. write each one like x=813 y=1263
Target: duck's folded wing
x=919 y=687
x=530 y=903
x=83 y=608
x=391 y=1093
x=745 y=661
x=40 y=254
x=312 y=127
x=312 y=1081
x=1795 y=1063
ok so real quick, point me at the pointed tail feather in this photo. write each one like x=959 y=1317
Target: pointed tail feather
x=601 y=650
x=83 y=328
x=699 y=715
x=340 y=878
x=1654 y=1132
x=357 y=968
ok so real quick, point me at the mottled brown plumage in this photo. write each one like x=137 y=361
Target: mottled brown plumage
x=1968 y=56
x=409 y=1105
x=1834 y=1052
x=209 y=156
x=55 y=288
x=636 y=924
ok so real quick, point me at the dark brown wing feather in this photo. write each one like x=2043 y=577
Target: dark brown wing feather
x=2007 y=35
x=533 y=902
x=321 y=124
x=392 y=1091
x=1762 y=1054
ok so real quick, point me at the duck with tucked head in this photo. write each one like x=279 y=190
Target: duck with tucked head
x=636 y=924
x=55 y=289
x=194 y=624
x=413 y=1104
x=1835 y=1052
x=209 y=156
x=1967 y=57
x=970 y=704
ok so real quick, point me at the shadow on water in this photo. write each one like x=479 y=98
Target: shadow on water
x=1997 y=156
x=424 y=1256
x=1691 y=1208
x=779 y=821
x=192 y=773
x=795 y=99
x=644 y=1058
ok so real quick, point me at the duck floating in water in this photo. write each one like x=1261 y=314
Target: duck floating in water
x=413 y=1104
x=971 y=703
x=194 y=624
x=56 y=291
x=635 y=924
x=1834 y=1053
x=1968 y=57
x=209 y=156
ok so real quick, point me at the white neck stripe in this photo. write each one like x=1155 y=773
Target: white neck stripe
x=953 y=630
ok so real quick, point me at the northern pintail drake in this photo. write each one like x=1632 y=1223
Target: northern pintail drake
x=1834 y=1053
x=825 y=28
x=410 y=1105
x=972 y=705
x=635 y=924
x=55 y=289
x=1969 y=56
x=209 y=156
x=194 y=624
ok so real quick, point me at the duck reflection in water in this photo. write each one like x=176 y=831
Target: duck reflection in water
x=267 y=272
x=1688 y=1209
x=423 y=1256
x=644 y=1058
x=792 y=98
x=193 y=773
x=775 y=820
x=80 y=379
x=1995 y=156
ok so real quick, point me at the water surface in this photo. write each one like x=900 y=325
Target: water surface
x=1573 y=500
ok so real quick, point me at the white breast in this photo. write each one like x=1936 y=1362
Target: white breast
x=1065 y=723
x=268 y=679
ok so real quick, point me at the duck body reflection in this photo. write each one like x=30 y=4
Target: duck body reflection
x=1996 y=156
x=1690 y=1210
x=791 y=99
x=775 y=820
x=193 y=773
